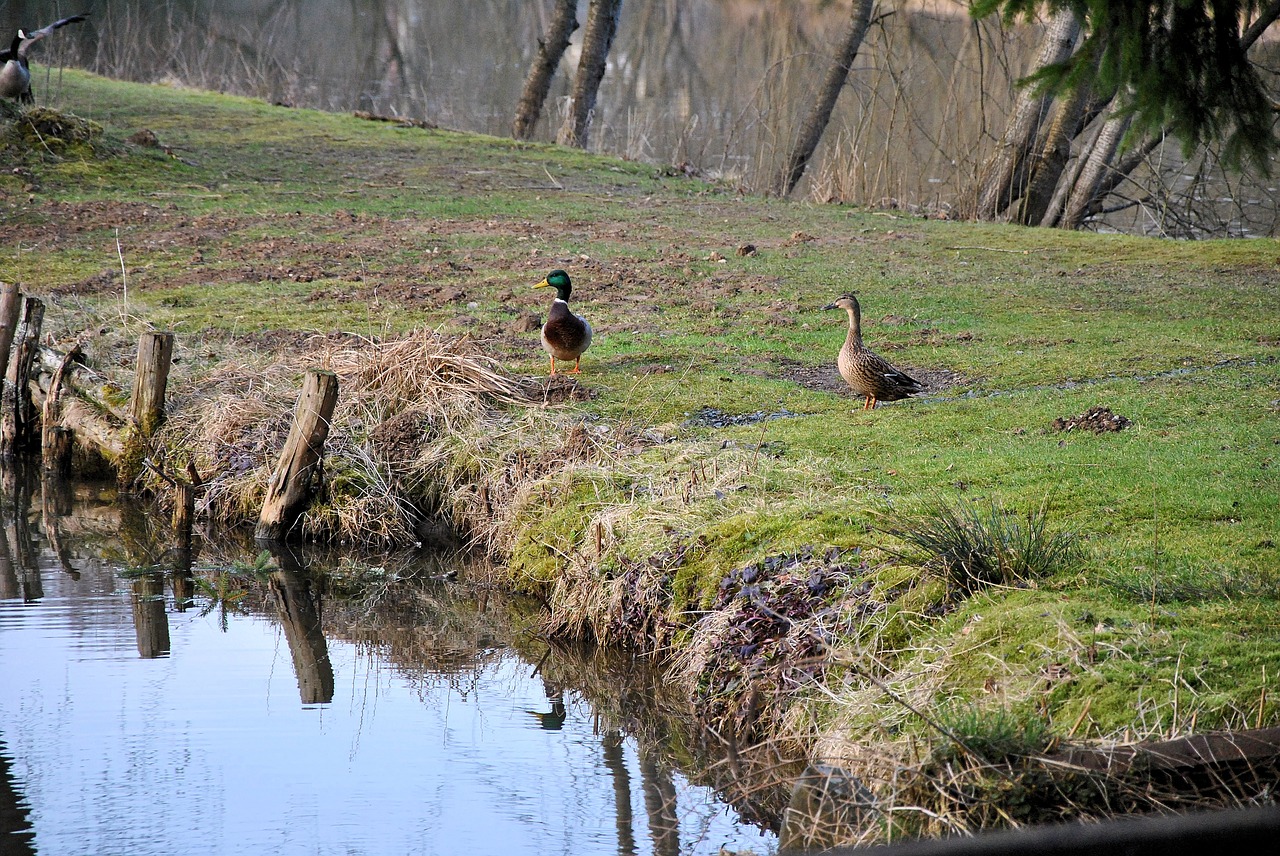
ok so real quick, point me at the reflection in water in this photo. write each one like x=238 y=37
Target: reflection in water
x=660 y=805
x=277 y=714
x=150 y=622
x=709 y=85
x=19 y=553
x=298 y=609
x=613 y=761
x=16 y=833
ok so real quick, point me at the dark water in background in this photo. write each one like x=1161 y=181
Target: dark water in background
x=148 y=712
x=716 y=85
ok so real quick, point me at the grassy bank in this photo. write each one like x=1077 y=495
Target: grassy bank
x=708 y=488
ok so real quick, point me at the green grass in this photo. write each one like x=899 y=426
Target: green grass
x=305 y=221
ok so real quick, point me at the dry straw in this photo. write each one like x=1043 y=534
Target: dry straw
x=421 y=421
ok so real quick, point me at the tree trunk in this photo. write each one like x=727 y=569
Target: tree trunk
x=1000 y=185
x=1082 y=201
x=1045 y=170
x=602 y=26
x=816 y=122
x=536 y=86
x=1086 y=182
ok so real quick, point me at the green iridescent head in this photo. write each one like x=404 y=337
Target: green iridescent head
x=559 y=280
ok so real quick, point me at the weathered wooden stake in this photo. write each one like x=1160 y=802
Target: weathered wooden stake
x=146 y=405
x=17 y=431
x=290 y=487
x=10 y=303
x=57 y=450
x=56 y=440
x=184 y=505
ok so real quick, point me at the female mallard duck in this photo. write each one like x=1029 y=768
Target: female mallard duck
x=15 y=70
x=565 y=336
x=866 y=372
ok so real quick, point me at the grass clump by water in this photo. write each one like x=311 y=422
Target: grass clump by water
x=989 y=736
x=974 y=544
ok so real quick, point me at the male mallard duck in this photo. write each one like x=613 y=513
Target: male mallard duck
x=866 y=372
x=565 y=336
x=15 y=71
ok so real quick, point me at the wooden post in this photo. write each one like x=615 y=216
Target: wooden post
x=290 y=487
x=19 y=417
x=184 y=506
x=10 y=303
x=146 y=405
x=57 y=449
x=56 y=439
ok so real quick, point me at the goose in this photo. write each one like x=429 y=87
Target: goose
x=867 y=373
x=15 y=71
x=565 y=336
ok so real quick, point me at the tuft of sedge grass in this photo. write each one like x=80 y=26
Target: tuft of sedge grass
x=974 y=545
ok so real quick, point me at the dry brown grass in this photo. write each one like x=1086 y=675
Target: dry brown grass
x=418 y=419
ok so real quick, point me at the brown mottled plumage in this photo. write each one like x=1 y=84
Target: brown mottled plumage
x=866 y=372
x=565 y=336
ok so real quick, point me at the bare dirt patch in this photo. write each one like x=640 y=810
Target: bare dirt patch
x=826 y=378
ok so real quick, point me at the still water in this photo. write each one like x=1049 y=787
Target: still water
x=715 y=86
x=242 y=717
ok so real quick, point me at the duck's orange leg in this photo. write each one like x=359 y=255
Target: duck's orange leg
x=870 y=403
x=575 y=369
x=553 y=366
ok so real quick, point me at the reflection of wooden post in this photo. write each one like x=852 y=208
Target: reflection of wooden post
x=660 y=805
x=150 y=624
x=146 y=405
x=10 y=301
x=19 y=411
x=290 y=487
x=613 y=762
x=301 y=622
x=19 y=482
x=9 y=589
x=55 y=503
x=184 y=512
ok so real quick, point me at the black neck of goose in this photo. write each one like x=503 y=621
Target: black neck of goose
x=13 y=49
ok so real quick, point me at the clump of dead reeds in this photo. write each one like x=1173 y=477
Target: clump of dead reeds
x=401 y=404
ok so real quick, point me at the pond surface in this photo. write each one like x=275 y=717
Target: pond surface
x=249 y=717
x=705 y=85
